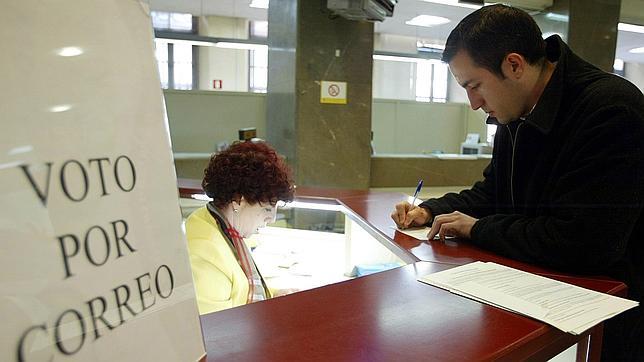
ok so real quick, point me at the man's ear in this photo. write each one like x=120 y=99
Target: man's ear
x=514 y=65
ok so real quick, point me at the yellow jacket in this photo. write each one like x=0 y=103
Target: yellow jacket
x=219 y=280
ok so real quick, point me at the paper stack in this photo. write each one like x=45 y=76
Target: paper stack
x=567 y=307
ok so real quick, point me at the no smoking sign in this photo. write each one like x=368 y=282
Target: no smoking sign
x=333 y=92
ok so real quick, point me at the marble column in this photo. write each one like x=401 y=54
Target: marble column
x=592 y=29
x=328 y=145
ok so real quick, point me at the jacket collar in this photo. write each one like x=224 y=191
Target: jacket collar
x=545 y=111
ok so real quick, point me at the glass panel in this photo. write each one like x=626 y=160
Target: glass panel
x=160 y=19
x=258 y=80
x=180 y=22
x=439 y=84
x=259 y=29
x=182 y=66
x=423 y=81
x=161 y=54
x=313 y=243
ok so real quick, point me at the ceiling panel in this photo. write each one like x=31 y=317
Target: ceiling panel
x=632 y=11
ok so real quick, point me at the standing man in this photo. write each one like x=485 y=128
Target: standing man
x=565 y=187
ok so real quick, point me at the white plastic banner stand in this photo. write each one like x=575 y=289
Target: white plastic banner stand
x=93 y=262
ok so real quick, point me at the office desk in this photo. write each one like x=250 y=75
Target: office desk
x=390 y=315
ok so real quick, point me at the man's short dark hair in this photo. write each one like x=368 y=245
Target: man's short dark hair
x=492 y=32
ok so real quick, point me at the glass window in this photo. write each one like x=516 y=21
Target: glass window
x=423 y=81
x=182 y=66
x=258 y=71
x=181 y=22
x=431 y=81
x=174 y=58
x=439 y=82
x=172 y=21
x=258 y=59
x=259 y=29
x=160 y=20
x=161 y=53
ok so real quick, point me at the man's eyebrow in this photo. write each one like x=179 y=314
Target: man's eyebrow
x=466 y=83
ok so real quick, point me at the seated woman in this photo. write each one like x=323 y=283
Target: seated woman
x=245 y=182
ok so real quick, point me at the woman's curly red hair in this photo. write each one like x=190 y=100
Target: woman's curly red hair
x=249 y=169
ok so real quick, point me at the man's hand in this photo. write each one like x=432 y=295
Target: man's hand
x=454 y=224
x=405 y=215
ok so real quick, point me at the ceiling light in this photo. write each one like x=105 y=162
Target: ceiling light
x=427 y=20
x=247 y=46
x=639 y=50
x=631 y=28
x=69 y=51
x=260 y=4
x=454 y=3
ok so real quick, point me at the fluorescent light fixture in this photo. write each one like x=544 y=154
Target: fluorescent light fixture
x=186 y=42
x=60 y=108
x=557 y=17
x=427 y=21
x=631 y=28
x=454 y=3
x=69 y=51
x=618 y=64
x=639 y=50
x=247 y=46
x=259 y=4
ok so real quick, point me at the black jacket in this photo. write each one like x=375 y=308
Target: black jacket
x=565 y=187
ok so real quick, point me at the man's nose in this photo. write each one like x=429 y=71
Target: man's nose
x=476 y=101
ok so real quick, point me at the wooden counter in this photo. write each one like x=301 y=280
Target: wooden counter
x=390 y=315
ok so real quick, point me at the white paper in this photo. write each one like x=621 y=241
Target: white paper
x=420 y=233
x=565 y=306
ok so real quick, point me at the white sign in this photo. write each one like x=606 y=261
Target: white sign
x=333 y=92
x=94 y=263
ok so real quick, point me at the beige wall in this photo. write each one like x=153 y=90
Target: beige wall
x=420 y=127
x=199 y=120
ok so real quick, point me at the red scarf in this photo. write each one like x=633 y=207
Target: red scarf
x=256 y=290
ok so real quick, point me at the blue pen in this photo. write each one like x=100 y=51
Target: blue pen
x=420 y=186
